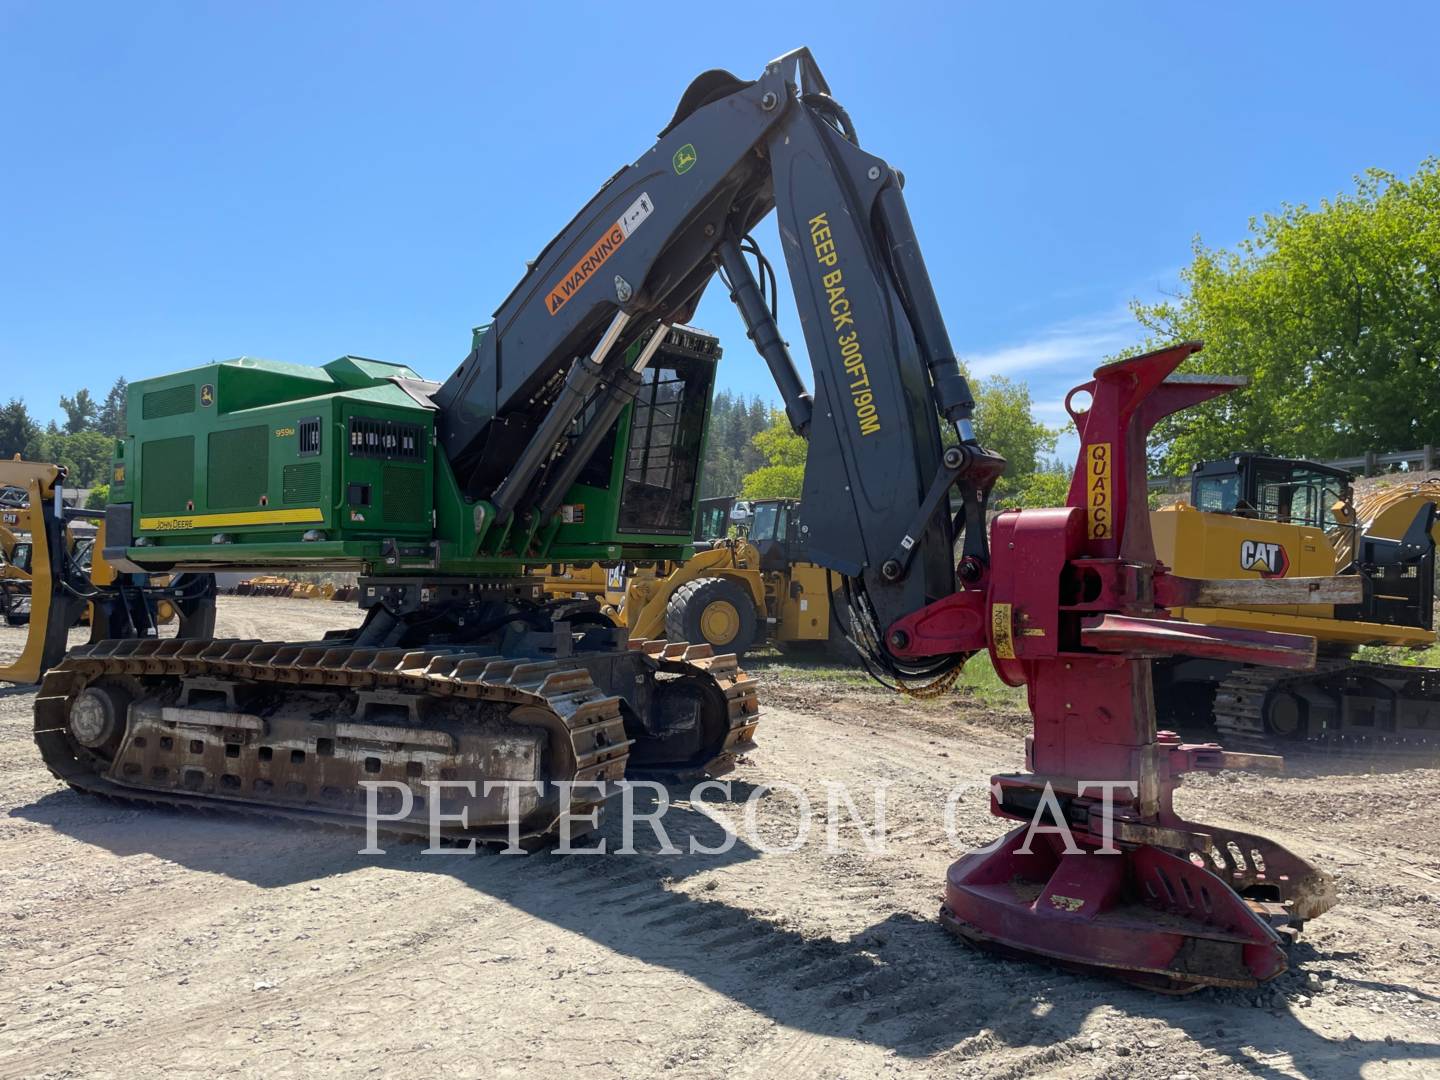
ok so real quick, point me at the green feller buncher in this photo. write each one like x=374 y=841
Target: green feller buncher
x=573 y=433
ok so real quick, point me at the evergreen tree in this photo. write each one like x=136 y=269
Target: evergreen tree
x=19 y=434
x=111 y=420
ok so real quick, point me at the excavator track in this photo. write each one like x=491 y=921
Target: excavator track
x=734 y=702
x=297 y=731
x=1341 y=705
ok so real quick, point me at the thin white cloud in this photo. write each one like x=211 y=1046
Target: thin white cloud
x=1084 y=342
x=1050 y=408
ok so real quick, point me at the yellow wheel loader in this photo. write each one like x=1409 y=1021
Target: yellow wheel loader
x=1257 y=517
x=735 y=593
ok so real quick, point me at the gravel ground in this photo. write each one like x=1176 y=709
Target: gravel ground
x=135 y=942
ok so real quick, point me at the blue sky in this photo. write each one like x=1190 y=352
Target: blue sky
x=189 y=182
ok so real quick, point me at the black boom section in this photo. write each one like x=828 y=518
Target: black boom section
x=641 y=246
x=638 y=257
x=874 y=437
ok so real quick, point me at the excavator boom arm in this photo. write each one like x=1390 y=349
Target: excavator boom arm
x=638 y=257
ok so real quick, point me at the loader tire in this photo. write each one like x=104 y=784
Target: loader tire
x=713 y=610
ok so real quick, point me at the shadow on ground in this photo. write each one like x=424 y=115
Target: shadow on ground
x=901 y=984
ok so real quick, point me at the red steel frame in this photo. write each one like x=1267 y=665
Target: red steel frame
x=1068 y=610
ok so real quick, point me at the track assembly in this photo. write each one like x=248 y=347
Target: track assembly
x=295 y=730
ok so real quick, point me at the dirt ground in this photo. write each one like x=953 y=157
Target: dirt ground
x=135 y=942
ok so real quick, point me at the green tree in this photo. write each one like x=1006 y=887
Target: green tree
x=19 y=434
x=730 y=450
x=80 y=412
x=86 y=455
x=98 y=497
x=1004 y=423
x=783 y=474
x=1334 y=315
x=91 y=451
x=111 y=418
x=1044 y=488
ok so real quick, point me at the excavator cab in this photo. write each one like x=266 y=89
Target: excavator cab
x=14 y=578
x=1399 y=570
x=1284 y=490
x=1256 y=516
x=19 y=557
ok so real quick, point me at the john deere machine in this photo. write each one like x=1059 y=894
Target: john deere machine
x=1257 y=517
x=572 y=433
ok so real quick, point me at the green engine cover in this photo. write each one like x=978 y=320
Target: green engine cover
x=258 y=464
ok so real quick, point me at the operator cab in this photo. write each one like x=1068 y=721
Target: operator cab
x=19 y=556
x=776 y=532
x=1285 y=490
x=712 y=522
x=1400 y=574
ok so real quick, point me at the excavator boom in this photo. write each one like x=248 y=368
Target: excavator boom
x=642 y=252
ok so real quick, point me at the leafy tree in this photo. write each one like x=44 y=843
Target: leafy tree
x=774 y=482
x=91 y=451
x=111 y=418
x=1334 y=315
x=783 y=474
x=80 y=412
x=1045 y=488
x=1004 y=424
x=99 y=496
x=730 y=451
x=86 y=455
x=778 y=444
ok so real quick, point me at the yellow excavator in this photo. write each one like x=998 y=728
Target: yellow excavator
x=1252 y=516
x=735 y=593
x=53 y=586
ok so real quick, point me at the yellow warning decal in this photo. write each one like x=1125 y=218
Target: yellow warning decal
x=599 y=253
x=307 y=515
x=1100 y=496
x=1001 y=631
x=862 y=397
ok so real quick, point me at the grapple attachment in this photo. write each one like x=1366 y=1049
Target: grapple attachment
x=61 y=583
x=1104 y=874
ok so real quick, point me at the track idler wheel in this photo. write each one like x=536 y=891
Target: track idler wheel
x=98 y=716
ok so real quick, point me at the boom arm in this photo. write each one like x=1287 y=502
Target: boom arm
x=638 y=257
